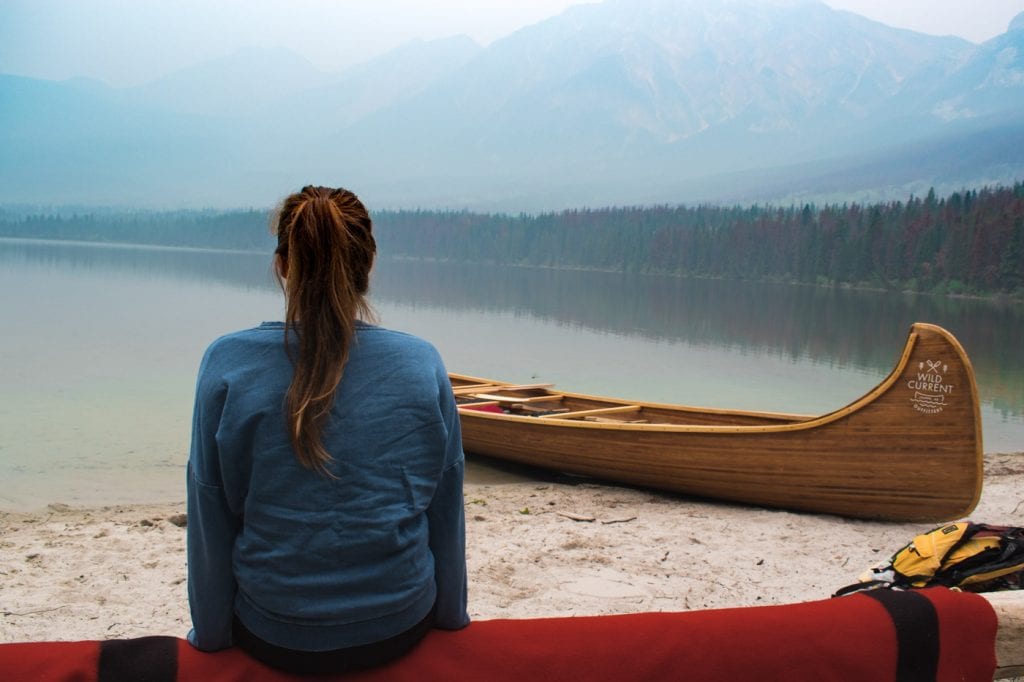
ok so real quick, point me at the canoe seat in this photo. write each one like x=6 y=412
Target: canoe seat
x=537 y=409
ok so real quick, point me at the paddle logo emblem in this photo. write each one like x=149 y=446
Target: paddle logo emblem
x=929 y=387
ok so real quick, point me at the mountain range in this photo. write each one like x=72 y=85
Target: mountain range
x=623 y=102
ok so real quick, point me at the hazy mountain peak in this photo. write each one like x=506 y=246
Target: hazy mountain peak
x=453 y=49
x=711 y=5
x=247 y=77
x=667 y=70
x=1017 y=23
x=247 y=62
x=86 y=84
x=366 y=87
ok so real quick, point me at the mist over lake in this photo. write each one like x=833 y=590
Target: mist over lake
x=620 y=102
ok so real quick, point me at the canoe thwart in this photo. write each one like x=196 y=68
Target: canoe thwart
x=517 y=399
x=476 y=388
x=597 y=410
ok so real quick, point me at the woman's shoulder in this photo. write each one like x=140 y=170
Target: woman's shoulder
x=394 y=338
x=241 y=342
x=396 y=352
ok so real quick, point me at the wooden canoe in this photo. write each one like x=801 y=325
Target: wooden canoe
x=908 y=450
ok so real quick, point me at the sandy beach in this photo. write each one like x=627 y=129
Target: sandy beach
x=538 y=548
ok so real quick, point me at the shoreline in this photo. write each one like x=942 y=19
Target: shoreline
x=535 y=548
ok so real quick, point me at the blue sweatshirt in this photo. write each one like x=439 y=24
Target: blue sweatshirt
x=312 y=563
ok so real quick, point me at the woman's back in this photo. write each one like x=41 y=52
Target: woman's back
x=351 y=549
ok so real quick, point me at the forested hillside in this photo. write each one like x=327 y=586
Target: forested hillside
x=969 y=242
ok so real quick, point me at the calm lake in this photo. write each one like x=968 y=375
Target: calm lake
x=98 y=360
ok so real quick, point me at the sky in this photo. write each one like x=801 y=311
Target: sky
x=127 y=42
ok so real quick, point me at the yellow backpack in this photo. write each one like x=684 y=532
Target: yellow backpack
x=972 y=556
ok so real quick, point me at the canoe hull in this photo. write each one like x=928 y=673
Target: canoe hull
x=909 y=450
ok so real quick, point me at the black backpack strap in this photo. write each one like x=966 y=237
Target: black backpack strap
x=917 y=633
x=861 y=587
x=970 y=532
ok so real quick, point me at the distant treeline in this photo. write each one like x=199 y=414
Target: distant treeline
x=234 y=230
x=971 y=242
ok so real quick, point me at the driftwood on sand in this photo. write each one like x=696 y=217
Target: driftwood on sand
x=1009 y=607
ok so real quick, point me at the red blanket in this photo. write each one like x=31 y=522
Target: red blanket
x=932 y=634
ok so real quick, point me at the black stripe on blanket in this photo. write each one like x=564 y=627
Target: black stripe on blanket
x=143 y=659
x=917 y=633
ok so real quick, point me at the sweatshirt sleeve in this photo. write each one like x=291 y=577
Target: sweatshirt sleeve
x=447 y=521
x=212 y=527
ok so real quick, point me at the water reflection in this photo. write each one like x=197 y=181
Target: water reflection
x=846 y=326
x=837 y=327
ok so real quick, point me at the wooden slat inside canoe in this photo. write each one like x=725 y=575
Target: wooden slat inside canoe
x=477 y=388
x=613 y=420
x=474 y=388
x=516 y=399
x=587 y=413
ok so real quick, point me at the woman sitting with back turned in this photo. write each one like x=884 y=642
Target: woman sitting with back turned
x=326 y=527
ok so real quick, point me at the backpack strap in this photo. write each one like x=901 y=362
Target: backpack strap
x=971 y=530
x=864 y=586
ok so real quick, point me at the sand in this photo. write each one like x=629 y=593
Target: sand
x=543 y=548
